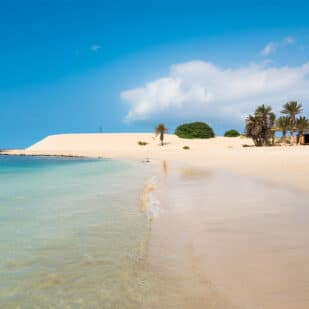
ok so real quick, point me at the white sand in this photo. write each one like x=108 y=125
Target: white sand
x=283 y=165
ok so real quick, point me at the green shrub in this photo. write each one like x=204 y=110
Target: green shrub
x=186 y=147
x=231 y=133
x=194 y=130
x=141 y=143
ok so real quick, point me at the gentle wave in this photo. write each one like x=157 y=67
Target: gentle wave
x=150 y=203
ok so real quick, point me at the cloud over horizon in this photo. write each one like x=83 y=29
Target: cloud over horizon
x=199 y=89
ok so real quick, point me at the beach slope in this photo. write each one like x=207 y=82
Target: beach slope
x=286 y=165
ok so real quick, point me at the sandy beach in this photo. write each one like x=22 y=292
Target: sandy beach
x=282 y=165
x=154 y=154
x=231 y=231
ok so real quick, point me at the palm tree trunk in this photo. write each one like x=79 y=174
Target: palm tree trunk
x=299 y=136
x=283 y=138
x=292 y=140
x=292 y=130
x=273 y=139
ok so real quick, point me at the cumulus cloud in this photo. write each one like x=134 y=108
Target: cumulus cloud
x=272 y=47
x=201 y=90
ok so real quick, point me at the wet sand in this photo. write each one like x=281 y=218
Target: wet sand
x=226 y=241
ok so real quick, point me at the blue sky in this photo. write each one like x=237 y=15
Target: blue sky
x=73 y=66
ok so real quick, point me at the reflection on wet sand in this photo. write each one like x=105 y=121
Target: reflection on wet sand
x=194 y=173
x=164 y=166
x=229 y=242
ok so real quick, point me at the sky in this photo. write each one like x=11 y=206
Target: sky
x=72 y=66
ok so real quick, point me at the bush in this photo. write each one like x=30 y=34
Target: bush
x=231 y=133
x=194 y=130
x=186 y=147
x=141 y=143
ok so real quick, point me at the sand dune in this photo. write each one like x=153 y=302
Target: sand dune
x=283 y=165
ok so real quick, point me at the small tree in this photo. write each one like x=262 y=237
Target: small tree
x=194 y=130
x=160 y=130
x=231 y=133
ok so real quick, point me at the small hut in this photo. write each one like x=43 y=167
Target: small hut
x=304 y=140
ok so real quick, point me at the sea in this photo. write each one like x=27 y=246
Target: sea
x=72 y=233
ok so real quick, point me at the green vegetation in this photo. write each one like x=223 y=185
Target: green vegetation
x=262 y=125
x=186 y=147
x=283 y=124
x=194 y=130
x=231 y=133
x=302 y=123
x=160 y=129
x=259 y=125
x=292 y=109
x=141 y=143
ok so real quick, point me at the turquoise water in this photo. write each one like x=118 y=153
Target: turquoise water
x=71 y=233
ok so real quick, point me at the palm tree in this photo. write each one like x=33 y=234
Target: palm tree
x=302 y=123
x=161 y=129
x=253 y=129
x=283 y=124
x=260 y=125
x=292 y=109
x=266 y=118
x=272 y=129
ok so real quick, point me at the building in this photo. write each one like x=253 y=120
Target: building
x=304 y=140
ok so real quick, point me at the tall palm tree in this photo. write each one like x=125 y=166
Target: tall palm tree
x=292 y=109
x=267 y=119
x=302 y=123
x=283 y=124
x=272 y=129
x=160 y=130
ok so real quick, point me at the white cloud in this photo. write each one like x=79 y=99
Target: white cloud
x=272 y=47
x=269 y=49
x=95 y=47
x=201 y=90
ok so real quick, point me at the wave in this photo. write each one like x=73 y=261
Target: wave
x=150 y=204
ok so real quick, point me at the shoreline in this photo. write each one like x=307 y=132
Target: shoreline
x=208 y=218
x=287 y=166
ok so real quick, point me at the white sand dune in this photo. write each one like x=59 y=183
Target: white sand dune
x=283 y=165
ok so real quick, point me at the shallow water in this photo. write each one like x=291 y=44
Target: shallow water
x=71 y=233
